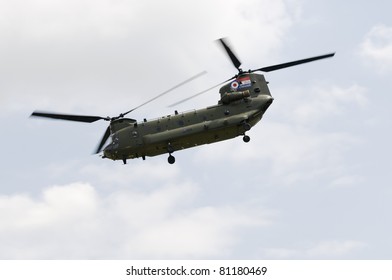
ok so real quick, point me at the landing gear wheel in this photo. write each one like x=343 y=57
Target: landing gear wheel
x=171 y=159
x=246 y=138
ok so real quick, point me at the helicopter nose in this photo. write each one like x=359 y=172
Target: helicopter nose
x=268 y=99
x=108 y=151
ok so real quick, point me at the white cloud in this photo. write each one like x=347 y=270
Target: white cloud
x=288 y=153
x=327 y=249
x=47 y=20
x=58 y=204
x=114 y=173
x=62 y=55
x=74 y=221
x=335 y=248
x=289 y=139
x=376 y=47
x=347 y=180
x=206 y=231
x=311 y=105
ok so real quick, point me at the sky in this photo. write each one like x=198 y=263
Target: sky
x=314 y=182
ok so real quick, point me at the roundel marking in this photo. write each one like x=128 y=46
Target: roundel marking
x=234 y=85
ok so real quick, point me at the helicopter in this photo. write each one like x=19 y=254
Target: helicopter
x=244 y=98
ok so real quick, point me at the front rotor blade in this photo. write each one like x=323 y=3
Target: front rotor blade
x=292 y=63
x=103 y=140
x=167 y=91
x=230 y=53
x=75 y=118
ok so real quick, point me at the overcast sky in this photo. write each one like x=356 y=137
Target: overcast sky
x=314 y=182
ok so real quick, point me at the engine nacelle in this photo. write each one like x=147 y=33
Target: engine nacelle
x=229 y=97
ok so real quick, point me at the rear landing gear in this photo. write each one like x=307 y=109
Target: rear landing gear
x=171 y=159
x=246 y=126
x=246 y=138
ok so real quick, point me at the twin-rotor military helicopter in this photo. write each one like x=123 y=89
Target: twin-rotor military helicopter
x=244 y=99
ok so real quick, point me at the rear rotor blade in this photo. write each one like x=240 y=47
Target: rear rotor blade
x=292 y=63
x=167 y=91
x=199 y=93
x=75 y=118
x=103 y=140
x=230 y=53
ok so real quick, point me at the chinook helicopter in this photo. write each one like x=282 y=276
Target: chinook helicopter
x=244 y=99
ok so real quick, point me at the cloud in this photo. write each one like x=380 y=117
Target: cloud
x=347 y=181
x=25 y=213
x=307 y=128
x=74 y=221
x=335 y=248
x=47 y=20
x=376 y=47
x=319 y=102
x=327 y=249
x=287 y=154
x=104 y=172
x=62 y=55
